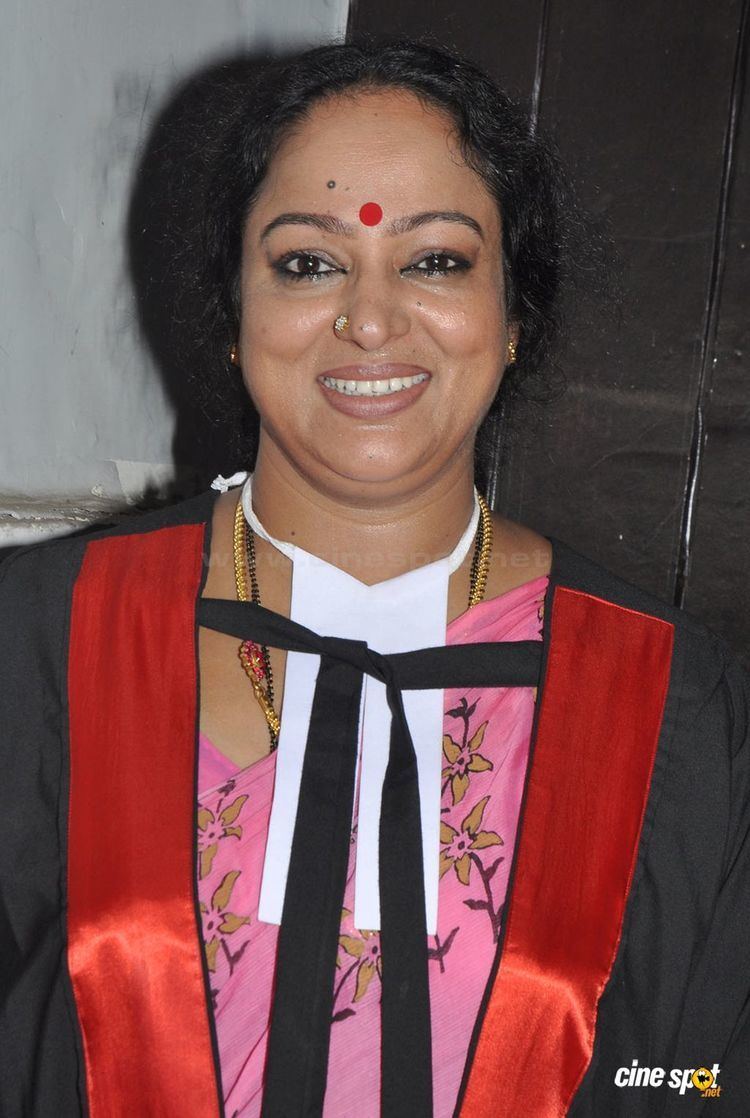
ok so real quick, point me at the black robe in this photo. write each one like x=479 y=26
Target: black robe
x=626 y=943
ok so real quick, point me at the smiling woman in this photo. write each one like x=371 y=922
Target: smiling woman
x=346 y=795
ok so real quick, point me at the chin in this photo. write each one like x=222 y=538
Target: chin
x=363 y=474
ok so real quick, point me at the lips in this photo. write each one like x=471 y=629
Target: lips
x=373 y=390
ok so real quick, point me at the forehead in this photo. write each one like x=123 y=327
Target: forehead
x=384 y=146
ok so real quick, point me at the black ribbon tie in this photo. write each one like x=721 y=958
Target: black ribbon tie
x=297 y=1055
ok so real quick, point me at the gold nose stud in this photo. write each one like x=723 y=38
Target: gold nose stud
x=341 y=324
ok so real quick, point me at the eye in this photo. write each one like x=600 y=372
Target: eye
x=304 y=266
x=438 y=264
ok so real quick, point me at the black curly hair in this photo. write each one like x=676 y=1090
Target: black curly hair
x=540 y=214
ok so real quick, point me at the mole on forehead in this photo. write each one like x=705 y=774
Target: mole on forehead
x=371 y=213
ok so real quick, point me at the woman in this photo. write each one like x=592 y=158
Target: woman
x=198 y=879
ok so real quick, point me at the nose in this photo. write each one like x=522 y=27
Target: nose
x=377 y=313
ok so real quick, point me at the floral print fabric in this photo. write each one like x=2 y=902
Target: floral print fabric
x=485 y=752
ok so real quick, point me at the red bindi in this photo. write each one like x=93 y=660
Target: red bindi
x=371 y=214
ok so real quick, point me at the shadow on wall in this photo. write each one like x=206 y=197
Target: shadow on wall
x=163 y=250
x=164 y=235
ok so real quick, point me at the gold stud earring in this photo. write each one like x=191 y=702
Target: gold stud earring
x=233 y=354
x=341 y=324
x=511 y=351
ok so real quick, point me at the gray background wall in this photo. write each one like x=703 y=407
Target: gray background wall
x=84 y=421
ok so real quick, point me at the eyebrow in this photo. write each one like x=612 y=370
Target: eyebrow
x=406 y=224
x=415 y=221
x=326 y=222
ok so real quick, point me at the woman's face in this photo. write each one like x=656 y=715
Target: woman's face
x=422 y=286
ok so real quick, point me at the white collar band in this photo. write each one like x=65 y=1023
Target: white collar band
x=397 y=615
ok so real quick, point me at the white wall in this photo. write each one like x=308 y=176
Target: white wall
x=84 y=422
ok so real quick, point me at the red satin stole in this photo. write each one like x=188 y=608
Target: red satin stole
x=134 y=944
x=601 y=713
x=134 y=947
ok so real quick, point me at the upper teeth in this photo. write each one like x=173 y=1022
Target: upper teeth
x=373 y=387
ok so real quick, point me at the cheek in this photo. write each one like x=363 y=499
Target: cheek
x=468 y=321
x=275 y=325
x=471 y=330
x=277 y=391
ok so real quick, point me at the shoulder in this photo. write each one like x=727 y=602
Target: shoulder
x=33 y=577
x=573 y=570
x=705 y=670
x=705 y=740
x=531 y=555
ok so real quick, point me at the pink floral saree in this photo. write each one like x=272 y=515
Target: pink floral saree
x=485 y=752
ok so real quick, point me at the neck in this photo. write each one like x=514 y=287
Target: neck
x=370 y=539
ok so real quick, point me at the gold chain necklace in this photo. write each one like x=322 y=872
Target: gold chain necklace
x=255 y=658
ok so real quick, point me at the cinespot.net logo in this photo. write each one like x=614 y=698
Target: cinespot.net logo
x=701 y=1079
